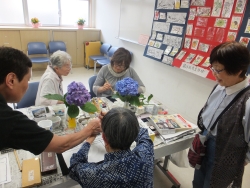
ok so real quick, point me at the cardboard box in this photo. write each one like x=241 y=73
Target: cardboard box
x=31 y=173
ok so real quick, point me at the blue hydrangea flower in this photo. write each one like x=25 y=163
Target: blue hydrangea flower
x=77 y=94
x=127 y=87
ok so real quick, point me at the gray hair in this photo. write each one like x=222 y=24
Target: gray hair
x=59 y=58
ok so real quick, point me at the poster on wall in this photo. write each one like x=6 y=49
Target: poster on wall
x=209 y=24
x=168 y=30
x=184 y=32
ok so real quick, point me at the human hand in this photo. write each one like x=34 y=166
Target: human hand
x=94 y=125
x=102 y=114
x=91 y=139
x=106 y=87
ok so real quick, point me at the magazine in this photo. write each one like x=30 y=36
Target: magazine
x=168 y=124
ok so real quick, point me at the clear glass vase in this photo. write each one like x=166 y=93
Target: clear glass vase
x=126 y=105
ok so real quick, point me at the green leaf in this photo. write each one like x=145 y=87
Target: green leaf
x=149 y=98
x=89 y=107
x=134 y=100
x=115 y=96
x=73 y=111
x=54 y=97
x=65 y=102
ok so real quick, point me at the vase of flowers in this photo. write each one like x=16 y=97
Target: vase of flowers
x=77 y=96
x=80 y=23
x=127 y=91
x=35 y=22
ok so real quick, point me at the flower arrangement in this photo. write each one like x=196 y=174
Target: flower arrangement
x=80 y=21
x=127 y=91
x=77 y=95
x=34 y=20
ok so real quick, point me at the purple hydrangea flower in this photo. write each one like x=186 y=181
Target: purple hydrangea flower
x=77 y=94
x=127 y=86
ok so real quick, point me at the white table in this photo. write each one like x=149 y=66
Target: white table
x=161 y=149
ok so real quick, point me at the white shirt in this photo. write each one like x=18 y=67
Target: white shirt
x=50 y=83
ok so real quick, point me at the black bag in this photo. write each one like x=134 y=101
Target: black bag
x=197 y=151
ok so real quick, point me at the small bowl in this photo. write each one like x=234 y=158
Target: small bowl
x=46 y=124
x=56 y=121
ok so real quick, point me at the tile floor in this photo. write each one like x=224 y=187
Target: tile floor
x=183 y=175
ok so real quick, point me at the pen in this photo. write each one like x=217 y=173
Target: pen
x=17 y=160
x=108 y=83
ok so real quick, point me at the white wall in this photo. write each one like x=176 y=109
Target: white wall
x=180 y=91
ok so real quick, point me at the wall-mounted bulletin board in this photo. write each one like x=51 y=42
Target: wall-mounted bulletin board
x=244 y=31
x=209 y=23
x=168 y=30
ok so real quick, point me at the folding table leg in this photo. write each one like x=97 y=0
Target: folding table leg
x=165 y=170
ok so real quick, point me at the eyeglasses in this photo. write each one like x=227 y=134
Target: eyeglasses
x=120 y=66
x=68 y=66
x=216 y=71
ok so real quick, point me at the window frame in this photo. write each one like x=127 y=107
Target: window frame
x=27 y=18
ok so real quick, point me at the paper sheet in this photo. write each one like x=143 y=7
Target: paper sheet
x=96 y=152
x=171 y=137
x=4 y=169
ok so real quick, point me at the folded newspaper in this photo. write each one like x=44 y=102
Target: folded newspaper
x=172 y=127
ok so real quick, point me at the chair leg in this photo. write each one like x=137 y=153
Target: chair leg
x=95 y=67
x=88 y=64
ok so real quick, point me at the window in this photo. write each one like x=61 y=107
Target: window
x=49 y=12
x=72 y=10
x=46 y=11
x=11 y=12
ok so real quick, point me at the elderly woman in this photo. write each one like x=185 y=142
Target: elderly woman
x=51 y=81
x=228 y=147
x=117 y=70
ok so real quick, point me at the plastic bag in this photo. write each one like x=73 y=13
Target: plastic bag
x=180 y=159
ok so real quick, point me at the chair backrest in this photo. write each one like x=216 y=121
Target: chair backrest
x=91 y=83
x=29 y=97
x=105 y=48
x=112 y=51
x=37 y=48
x=56 y=45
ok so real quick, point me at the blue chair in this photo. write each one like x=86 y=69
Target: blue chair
x=29 y=97
x=104 y=52
x=107 y=59
x=38 y=48
x=91 y=83
x=56 y=45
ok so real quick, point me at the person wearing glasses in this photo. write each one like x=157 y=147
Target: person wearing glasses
x=118 y=69
x=228 y=147
x=51 y=81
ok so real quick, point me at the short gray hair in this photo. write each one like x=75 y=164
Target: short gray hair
x=59 y=58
